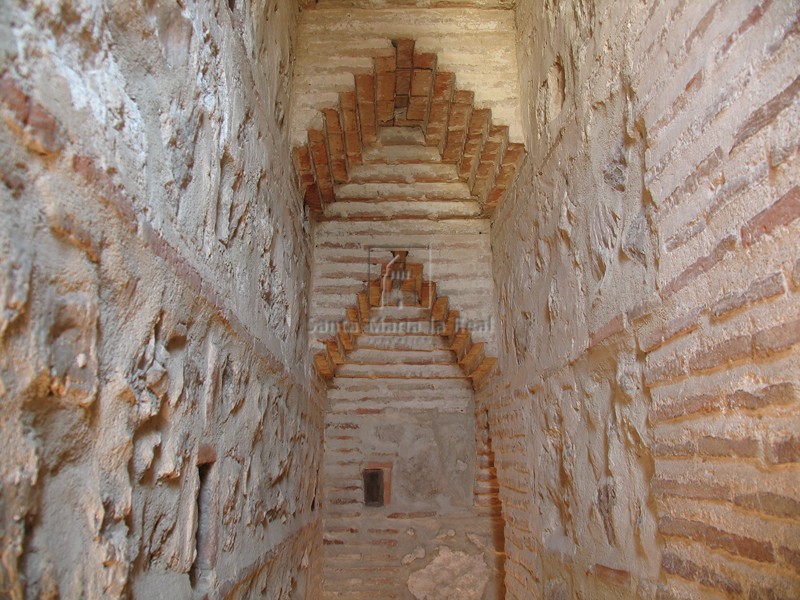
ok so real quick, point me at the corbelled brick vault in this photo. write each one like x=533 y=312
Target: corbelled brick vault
x=400 y=299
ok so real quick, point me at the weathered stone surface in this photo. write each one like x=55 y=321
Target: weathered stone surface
x=158 y=422
x=648 y=317
x=451 y=574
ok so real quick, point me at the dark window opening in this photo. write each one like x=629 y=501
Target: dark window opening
x=373 y=487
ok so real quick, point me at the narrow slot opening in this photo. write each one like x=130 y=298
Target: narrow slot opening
x=202 y=540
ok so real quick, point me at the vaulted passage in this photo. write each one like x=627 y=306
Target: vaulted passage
x=400 y=299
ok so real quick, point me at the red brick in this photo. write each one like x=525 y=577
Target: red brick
x=701 y=27
x=674 y=449
x=767 y=113
x=491 y=150
x=758 y=291
x=454 y=142
x=791 y=557
x=365 y=97
x=444 y=84
x=476 y=137
x=334 y=354
x=324 y=366
x=365 y=87
x=614 y=326
x=403 y=85
x=15 y=99
x=417 y=108
x=405 y=53
x=772 y=395
x=302 y=160
x=412 y=515
x=335 y=137
x=671 y=368
x=45 y=130
x=385 y=64
x=644 y=308
x=722 y=353
x=386 y=87
x=320 y=160
x=784 y=449
x=616 y=577
x=421 y=83
x=672 y=329
x=679 y=105
x=728 y=191
x=440 y=311
x=313 y=198
x=352 y=135
x=707 y=167
x=342 y=425
x=110 y=194
x=675 y=565
x=716 y=446
x=687 y=232
x=777 y=339
x=771 y=504
x=156 y=242
x=680 y=407
x=472 y=358
x=483 y=183
x=717 y=539
x=489 y=165
x=700 y=266
x=796 y=274
x=425 y=60
x=384 y=542
x=459 y=116
x=494 y=198
x=515 y=152
x=504 y=176
x=440 y=109
x=692 y=489
x=782 y=212
x=463 y=97
x=752 y=18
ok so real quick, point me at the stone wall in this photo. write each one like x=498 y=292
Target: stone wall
x=430 y=540
x=645 y=423
x=160 y=429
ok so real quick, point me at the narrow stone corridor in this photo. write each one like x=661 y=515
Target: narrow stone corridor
x=400 y=299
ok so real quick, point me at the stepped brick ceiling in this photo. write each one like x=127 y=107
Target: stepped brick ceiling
x=406 y=142
x=399 y=329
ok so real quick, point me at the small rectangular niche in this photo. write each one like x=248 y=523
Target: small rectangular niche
x=373 y=487
x=206 y=533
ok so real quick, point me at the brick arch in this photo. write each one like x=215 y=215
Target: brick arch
x=433 y=318
x=405 y=89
